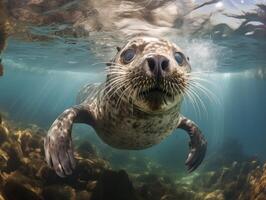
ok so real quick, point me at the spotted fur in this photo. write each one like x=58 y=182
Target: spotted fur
x=133 y=119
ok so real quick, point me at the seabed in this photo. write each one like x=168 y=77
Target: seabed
x=24 y=175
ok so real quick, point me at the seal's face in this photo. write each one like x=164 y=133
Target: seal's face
x=151 y=73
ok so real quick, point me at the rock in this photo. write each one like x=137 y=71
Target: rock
x=15 y=154
x=25 y=175
x=154 y=187
x=29 y=142
x=91 y=185
x=17 y=189
x=114 y=185
x=168 y=197
x=89 y=169
x=3 y=134
x=154 y=190
x=148 y=178
x=231 y=151
x=2 y=181
x=83 y=195
x=48 y=175
x=184 y=193
x=206 y=180
x=58 y=192
x=216 y=195
x=3 y=160
x=258 y=184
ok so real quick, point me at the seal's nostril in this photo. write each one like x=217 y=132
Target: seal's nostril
x=151 y=63
x=158 y=66
x=164 y=64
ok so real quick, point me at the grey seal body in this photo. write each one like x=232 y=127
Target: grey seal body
x=131 y=128
x=135 y=108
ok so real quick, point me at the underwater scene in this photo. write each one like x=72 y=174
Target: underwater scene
x=132 y=100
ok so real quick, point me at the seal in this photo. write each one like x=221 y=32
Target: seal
x=135 y=108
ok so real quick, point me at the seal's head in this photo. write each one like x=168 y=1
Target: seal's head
x=151 y=73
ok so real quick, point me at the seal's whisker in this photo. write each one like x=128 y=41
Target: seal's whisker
x=110 y=91
x=199 y=72
x=172 y=90
x=114 y=69
x=184 y=92
x=127 y=86
x=116 y=73
x=199 y=99
x=109 y=62
x=123 y=86
x=192 y=97
x=207 y=92
x=117 y=66
x=176 y=89
x=197 y=75
x=193 y=101
x=112 y=84
x=115 y=76
x=200 y=79
x=113 y=64
x=117 y=69
x=202 y=89
x=94 y=93
x=115 y=92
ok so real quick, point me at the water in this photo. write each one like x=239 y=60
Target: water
x=42 y=79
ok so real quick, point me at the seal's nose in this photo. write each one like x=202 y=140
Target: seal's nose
x=158 y=65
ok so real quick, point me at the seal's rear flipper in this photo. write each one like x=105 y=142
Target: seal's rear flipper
x=197 y=144
x=58 y=142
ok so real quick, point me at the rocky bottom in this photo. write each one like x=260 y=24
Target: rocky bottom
x=24 y=175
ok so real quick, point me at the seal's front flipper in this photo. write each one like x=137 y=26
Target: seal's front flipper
x=197 y=144
x=58 y=142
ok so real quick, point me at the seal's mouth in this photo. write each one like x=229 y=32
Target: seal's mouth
x=156 y=92
x=156 y=97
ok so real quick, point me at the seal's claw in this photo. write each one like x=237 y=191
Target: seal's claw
x=196 y=154
x=59 y=150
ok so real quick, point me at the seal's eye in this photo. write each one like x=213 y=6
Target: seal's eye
x=128 y=55
x=179 y=57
